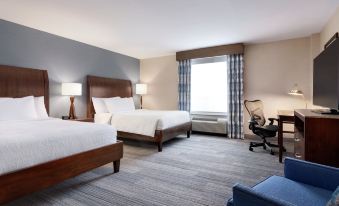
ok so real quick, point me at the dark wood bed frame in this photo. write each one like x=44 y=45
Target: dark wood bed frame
x=20 y=82
x=106 y=87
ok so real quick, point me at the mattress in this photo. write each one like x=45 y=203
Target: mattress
x=27 y=143
x=143 y=121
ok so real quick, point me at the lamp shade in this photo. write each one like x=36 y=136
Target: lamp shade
x=295 y=91
x=71 y=89
x=141 y=89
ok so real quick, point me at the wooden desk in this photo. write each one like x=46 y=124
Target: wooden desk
x=284 y=117
x=316 y=137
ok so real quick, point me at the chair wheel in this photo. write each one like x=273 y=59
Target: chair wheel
x=250 y=149
x=272 y=153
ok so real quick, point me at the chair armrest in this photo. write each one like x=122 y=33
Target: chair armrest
x=252 y=124
x=272 y=120
x=245 y=196
x=314 y=174
x=251 y=121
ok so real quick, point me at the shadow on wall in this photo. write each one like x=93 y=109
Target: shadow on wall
x=161 y=76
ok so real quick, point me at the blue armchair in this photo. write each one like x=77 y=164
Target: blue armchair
x=305 y=183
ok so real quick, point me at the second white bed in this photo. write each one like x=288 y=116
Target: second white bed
x=143 y=121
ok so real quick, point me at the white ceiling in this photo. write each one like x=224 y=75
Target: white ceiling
x=150 y=28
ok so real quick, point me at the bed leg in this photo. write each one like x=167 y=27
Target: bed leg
x=159 y=146
x=116 y=166
x=188 y=133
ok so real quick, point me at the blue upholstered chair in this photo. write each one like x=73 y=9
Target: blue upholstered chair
x=305 y=183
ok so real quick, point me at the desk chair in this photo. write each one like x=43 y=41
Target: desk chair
x=258 y=127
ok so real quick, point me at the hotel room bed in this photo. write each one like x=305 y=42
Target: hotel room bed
x=25 y=143
x=38 y=153
x=146 y=125
x=143 y=121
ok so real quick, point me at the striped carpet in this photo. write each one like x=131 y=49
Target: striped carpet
x=196 y=171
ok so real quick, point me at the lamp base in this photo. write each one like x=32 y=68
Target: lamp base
x=72 y=109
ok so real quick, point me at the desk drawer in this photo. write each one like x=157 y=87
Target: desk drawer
x=299 y=146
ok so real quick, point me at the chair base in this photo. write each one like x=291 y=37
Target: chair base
x=266 y=146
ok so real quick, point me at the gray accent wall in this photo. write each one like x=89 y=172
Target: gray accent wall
x=66 y=61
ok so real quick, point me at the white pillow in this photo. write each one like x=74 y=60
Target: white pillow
x=17 y=108
x=112 y=105
x=40 y=107
x=99 y=104
x=119 y=105
x=103 y=118
x=129 y=103
x=5 y=104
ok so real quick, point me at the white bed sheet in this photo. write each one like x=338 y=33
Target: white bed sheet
x=28 y=143
x=144 y=121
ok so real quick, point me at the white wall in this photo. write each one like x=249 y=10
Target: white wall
x=161 y=75
x=271 y=69
x=329 y=29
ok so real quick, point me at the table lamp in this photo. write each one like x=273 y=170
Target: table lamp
x=297 y=92
x=141 y=89
x=71 y=89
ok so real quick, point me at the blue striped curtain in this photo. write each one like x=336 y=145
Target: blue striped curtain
x=235 y=96
x=185 y=85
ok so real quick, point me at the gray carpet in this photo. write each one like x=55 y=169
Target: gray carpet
x=196 y=171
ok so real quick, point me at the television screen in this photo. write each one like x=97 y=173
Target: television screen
x=326 y=77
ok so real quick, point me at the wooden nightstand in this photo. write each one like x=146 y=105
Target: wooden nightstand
x=82 y=119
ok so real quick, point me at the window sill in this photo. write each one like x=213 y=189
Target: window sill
x=212 y=116
x=222 y=114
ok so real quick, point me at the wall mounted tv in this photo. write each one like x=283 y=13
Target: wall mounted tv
x=326 y=78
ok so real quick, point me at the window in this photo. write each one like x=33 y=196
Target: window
x=209 y=86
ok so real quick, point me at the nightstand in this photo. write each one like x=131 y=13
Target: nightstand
x=81 y=119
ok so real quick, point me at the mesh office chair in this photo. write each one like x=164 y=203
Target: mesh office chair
x=258 y=127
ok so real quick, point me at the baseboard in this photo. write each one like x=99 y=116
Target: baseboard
x=209 y=133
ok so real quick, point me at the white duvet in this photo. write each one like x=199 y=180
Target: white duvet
x=143 y=121
x=28 y=143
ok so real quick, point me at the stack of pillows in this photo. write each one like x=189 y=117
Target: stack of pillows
x=113 y=105
x=25 y=108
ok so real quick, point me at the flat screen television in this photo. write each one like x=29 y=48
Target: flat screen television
x=326 y=78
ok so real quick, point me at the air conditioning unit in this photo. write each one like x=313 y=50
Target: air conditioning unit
x=218 y=125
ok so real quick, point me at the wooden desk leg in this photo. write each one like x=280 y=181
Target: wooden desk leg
x=280 y=139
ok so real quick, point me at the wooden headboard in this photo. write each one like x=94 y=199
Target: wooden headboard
x=21 y=82
x=106 y=87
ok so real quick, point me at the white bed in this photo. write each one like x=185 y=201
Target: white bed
x=142 y=121
x=25 y=143
x=37 y=152
x=110 y=101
